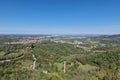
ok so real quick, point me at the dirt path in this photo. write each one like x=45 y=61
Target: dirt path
x=8 y=60
x=34 y=62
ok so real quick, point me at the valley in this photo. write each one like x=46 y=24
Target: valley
x=61 y=57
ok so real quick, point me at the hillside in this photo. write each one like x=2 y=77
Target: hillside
x=61 y=58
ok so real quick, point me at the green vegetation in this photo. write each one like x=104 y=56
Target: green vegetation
x=97 y=58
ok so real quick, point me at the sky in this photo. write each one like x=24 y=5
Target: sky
x=59 y=16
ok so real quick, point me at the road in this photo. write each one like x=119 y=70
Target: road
x=8 y=60
x=34 y=62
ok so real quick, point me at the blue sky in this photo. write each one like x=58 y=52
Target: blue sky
x=59 y=16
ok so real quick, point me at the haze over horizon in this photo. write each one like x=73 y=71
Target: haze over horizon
x=59 y=17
